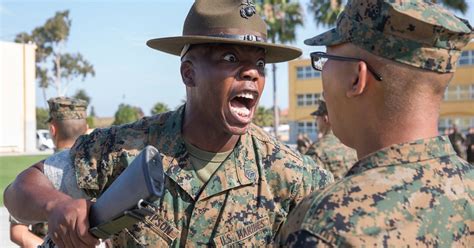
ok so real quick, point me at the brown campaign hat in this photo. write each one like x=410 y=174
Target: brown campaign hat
x=228 y=22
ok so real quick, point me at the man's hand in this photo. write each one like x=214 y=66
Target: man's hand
x=68 y=224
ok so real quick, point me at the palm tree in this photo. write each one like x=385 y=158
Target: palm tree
x=282 y=18
x=326 y=11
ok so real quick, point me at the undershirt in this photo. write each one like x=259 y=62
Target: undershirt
x=205 y=163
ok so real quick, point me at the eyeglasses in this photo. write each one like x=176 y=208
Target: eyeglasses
x=318 y=59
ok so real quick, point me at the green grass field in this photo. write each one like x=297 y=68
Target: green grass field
x=10 y=166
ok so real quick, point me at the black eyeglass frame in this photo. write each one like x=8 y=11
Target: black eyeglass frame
x=316 y=55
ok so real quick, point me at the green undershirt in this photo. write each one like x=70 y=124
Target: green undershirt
x=205 y=163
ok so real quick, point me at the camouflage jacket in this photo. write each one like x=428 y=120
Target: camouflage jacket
x=417 y=194
x=244 y=202
x=330 y=153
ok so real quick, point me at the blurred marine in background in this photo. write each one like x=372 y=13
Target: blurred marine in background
x=328 y=151
x=67 y=121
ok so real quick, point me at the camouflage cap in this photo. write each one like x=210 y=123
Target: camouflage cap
x=65 y=108
x=418 y=33
x=320 y=108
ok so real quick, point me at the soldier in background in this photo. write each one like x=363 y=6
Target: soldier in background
x=457 y=139
x=302 y=143
x=384 y=75
x=67 y=121
x=470 y=145
x=328 y=151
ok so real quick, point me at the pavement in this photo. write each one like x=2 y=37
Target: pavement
x=5 y=229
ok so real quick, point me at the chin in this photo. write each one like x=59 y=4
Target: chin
x=237 y=130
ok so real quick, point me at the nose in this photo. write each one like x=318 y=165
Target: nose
x=249 y=72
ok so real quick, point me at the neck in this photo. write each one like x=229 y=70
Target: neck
x=384 y=134
x=199 y=133
x=63 y=144
x=325 y=131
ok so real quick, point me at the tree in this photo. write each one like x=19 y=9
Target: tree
x=126 y=114
x=326 y=11
x=54 y=67
x=263 y=117
x=82 y=94
x=42 y=116
x=92 y=112
x=282 y=18
x=159 y=108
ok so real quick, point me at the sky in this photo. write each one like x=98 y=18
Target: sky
x=111 y=35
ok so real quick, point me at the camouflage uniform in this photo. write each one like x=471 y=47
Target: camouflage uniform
x=243 y=203
x=418 y=193
x=335 y=157
x=413 y=194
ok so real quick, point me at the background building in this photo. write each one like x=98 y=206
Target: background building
x=305 y=87
x=458 y=104
x=17 y=98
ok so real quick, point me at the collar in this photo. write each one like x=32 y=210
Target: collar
x=240 y=168
x=405 y=153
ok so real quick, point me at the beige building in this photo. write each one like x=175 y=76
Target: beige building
x=17 y=98
x=305 y=87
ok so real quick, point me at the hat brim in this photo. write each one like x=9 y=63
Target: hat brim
x=328 y=38
x=174 y=45
x=317 y=113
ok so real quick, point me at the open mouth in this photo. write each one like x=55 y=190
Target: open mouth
x=241 y=106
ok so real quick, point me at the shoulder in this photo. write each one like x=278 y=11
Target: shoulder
x=280 y=162
x=129 y=137
x=273 y=152
x=103 y=154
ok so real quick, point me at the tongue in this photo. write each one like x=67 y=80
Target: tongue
x=237 y=104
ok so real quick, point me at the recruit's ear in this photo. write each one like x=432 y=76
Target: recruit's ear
x=52 y=130
x=187 y=73
x=326 y=119
x=360 y=83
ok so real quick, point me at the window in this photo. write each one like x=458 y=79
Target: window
x=467 y=58
x=307 y=99
x=300 y=100
x=459 y=92
x=307 y=72
x=308 y=127
x=299 y=72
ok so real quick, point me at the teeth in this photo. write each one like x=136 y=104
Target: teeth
x=244 y=112
x=246 y=95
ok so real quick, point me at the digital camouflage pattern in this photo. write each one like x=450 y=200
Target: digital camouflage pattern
x=457 y=140
x=416 y=194
x=65 y=108
x=413 y=32
x=244 y=202
x=332 y=155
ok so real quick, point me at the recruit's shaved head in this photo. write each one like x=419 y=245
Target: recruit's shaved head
x=70 y=130
x=405 y=86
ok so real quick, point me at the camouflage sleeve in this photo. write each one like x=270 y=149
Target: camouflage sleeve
x=320 y=177
x=304 y=238
x=102 y=155
x=314 y=179
x=91 y=163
